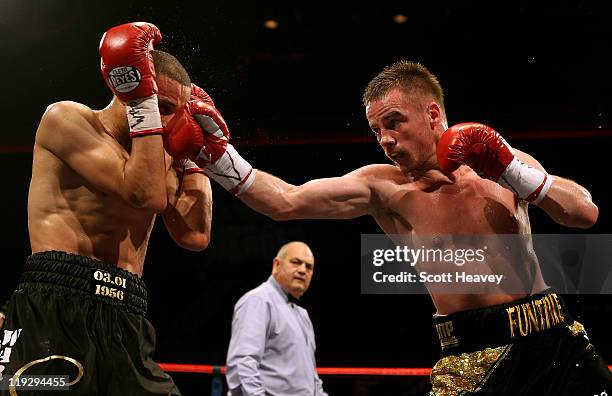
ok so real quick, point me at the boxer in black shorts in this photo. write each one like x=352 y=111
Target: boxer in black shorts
x=84 y=319
x=531 y=346
x=99 y=178
x=459 y=180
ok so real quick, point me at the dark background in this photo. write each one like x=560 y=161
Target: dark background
x=538 y=73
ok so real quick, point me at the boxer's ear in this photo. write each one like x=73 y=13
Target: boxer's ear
x=434 y=114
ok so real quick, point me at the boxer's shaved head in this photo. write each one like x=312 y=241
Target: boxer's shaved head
x=168 y=65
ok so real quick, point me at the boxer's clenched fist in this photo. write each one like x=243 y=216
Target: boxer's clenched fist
x=199 y=132
x=199 y=93
x=126 y=64
x=485 y=151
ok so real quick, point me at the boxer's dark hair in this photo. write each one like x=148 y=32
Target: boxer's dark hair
x=407 y=75
x=169 y=66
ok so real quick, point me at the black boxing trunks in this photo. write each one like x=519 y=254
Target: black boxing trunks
x=528 y=347
x=76 y=326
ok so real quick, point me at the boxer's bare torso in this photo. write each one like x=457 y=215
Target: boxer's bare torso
x=414 y=198
x=67 y=213
x=428 y=205
x=435 y=204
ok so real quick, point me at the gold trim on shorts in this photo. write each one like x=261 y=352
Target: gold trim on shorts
x=466 y=372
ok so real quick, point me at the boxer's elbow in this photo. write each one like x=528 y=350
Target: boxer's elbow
x=155 y=203
x=145 y=197
x=194 y=241
x=585 y=215
x=198 y=243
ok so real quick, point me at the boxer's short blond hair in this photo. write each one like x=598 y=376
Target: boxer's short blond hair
x=410 y=76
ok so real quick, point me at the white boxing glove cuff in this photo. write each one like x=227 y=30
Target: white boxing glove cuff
x=232 y=171
x=143 y=116
x=525 y=181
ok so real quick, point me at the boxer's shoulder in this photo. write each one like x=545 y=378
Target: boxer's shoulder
x=65 y=111
x=68 y=124
x=379 y=173
x=67 y=117
x=384 y=180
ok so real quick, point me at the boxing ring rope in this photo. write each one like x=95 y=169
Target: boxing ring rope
x=208 y=369
x=218 y=371
x=404 y=371
x=398 y=371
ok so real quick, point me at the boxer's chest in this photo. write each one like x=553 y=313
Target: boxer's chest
x=471 y=205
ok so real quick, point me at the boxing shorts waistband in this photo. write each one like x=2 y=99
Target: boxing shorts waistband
x=99 y=281
x=489 y=327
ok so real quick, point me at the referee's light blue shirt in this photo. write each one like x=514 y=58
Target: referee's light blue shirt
x=272 y=350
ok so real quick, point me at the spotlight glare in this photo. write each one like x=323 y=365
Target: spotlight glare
x=271 y=24
x=400 y=18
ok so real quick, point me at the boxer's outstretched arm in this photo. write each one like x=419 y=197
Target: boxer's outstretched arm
x=343 y=197
x=566 y=202
x=188 y=215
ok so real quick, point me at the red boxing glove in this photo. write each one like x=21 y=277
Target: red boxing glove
x=127 y=60
x=485 y=151
x=476 y=145
x=198 y=132
x=198 y=93
x=126 y=64
x=186 y=137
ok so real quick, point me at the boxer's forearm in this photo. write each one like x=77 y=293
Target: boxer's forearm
x=269 y=196
x=144 y=174
x=189 y=218
x=195 y=203
x=569 y=204
x=331 y=198
x=129 y=46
